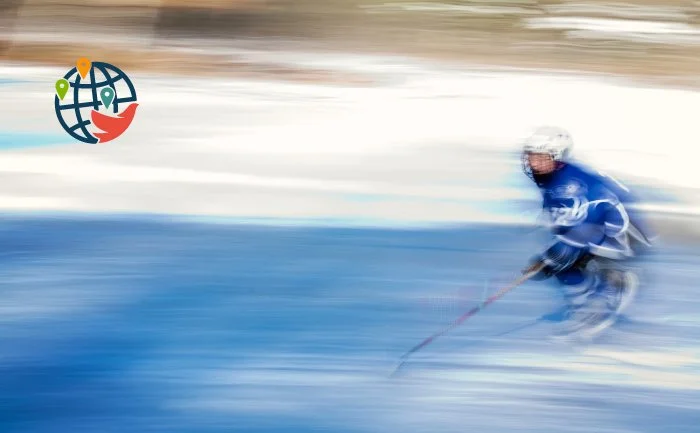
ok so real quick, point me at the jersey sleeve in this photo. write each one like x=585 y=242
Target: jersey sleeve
x=603 y=230
x=611 y=213
x=590 y=213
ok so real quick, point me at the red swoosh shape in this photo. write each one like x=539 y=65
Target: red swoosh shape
x=113 y=127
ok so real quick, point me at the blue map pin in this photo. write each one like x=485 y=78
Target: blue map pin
x=107 y=95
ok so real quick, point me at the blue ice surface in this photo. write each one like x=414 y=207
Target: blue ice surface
x=153 y=324
x=11 y=81
x=25 y=139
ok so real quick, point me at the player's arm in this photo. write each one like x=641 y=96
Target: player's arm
x=615 y=224
x=613 y=217
x=556 y=258
x=576 y=229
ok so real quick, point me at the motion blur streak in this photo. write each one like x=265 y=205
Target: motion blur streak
x=118 y=325
x=309 y=189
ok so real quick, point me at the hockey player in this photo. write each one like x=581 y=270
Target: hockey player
x=595 y=231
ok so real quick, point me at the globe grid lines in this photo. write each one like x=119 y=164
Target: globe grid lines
x=110 y=80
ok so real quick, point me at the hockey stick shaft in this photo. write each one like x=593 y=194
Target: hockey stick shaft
x=498 y=295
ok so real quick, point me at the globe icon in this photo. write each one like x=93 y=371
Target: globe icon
x=87 y=111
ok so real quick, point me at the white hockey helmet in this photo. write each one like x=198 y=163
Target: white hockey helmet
x=551 y=140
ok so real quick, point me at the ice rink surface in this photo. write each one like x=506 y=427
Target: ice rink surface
x=120 y=325
x=197 y=320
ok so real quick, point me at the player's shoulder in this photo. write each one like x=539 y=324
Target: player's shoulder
x=576 y=175
x=582 y=171
x=579 y=179
x=608 y=184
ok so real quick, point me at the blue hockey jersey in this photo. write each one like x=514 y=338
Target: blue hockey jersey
x=591 y=211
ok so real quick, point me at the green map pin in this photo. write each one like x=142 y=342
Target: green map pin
x=62 y=87
x=107 y=95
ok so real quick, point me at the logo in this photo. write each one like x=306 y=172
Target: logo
x=573 y=189
x=571 y=204
x=570 y=211
x=95 y=102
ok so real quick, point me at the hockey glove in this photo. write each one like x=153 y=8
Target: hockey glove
x=543 y=274
x=559 y=257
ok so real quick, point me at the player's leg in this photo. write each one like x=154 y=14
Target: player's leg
x=584 y=286
x=568 y=265
x=618 y=284
x=577 y=285
x=595 y=289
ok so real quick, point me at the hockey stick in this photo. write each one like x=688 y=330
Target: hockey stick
x=532 y=272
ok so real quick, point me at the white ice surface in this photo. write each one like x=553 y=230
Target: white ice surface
x=426 y=143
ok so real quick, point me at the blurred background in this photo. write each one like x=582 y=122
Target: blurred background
x=310 y=188
x=638 y=38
